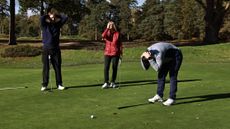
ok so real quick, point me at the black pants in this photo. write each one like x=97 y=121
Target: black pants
x=115 y=61
x=172 y=67
x=55 y=60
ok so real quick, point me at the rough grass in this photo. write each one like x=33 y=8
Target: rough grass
x=202 y=103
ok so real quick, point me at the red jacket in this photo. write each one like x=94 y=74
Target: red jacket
x=113 y=45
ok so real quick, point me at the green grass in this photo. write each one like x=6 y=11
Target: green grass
x=203 y=93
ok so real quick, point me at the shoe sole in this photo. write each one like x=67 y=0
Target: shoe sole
x=169 y=104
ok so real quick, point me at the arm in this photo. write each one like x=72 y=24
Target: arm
x=155 y=59
x=117 y=40
x=43 y=20
x=63 y=19
x=104 y=34
x=154 y=65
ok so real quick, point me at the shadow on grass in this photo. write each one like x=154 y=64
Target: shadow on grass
x=131 y=83
x=203 y=98
x=134 y=105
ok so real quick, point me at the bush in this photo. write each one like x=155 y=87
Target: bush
x=225 y=35
x=21 y=51
x=4 y=36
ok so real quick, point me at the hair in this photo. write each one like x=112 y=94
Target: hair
x=114 y=26
x=145 y=63
x=52 y=10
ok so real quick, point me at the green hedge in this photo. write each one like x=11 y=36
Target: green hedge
x=21 y=51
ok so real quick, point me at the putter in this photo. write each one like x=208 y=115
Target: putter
x=50 y=81
x=12 y=88
x=119 y=73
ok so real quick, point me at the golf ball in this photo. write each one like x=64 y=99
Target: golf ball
x=92 y=116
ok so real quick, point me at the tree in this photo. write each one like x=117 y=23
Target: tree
x=183 y=19
x=3 y=14
x=151 y=27
x=34 y=5
x=75 y=9
x=95 y=20
x=215 y=11
x=12 y=39
x=124 y=8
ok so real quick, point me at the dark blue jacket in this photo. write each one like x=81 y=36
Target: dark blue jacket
x=51 y=31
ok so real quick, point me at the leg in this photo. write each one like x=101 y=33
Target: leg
x=106 y=68
x=173 y=84
x=175 y=66
x=46 y=68
x=115 y=61
x=56 y=62
x=161 y=79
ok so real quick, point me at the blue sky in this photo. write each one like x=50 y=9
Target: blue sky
x=140 y=2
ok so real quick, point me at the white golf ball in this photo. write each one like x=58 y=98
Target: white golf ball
x=92 y=116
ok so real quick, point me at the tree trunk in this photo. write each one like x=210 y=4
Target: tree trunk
x=214 y=17
x=42 y=8
x=42 y=12
x=211 y=35
x=12 y=38
x=96 y=31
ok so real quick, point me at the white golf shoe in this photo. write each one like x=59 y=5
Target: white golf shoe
x=113 y=85
x=156 y=98
x=169 y=102
x=105 y=85
x=43 y=88
x=60 y=87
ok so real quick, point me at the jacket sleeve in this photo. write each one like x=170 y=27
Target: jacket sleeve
x=120 y=44
x=43 y=20
x=104 y=34
x=63 y=19
x=156 y=63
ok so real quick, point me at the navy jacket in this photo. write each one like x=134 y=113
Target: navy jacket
x=51 y=31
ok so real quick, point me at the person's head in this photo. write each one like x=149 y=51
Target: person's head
x=145 y=63
x=112 y=26
x=53 y=13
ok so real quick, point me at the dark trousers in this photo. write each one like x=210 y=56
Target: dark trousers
x=172 y=67
x=108 y=60
x=55 y=60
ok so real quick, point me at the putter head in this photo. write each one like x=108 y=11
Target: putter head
x=120 y=61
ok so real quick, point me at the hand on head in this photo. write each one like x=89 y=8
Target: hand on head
x=52 y=17
x=110 y=25
x=147 y=55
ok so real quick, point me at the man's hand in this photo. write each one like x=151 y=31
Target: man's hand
x=147 y=55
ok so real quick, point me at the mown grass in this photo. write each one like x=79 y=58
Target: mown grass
x=202 y=101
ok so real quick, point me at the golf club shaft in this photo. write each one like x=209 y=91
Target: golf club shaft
x=50 y=78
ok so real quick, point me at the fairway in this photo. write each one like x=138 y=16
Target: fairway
x=203 y=96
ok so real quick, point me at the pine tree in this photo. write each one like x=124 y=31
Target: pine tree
x=151 y=26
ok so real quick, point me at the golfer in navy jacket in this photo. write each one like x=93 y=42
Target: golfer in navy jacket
x=163 y=58
x=51 y=25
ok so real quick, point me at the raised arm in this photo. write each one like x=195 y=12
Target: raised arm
x=43 y=20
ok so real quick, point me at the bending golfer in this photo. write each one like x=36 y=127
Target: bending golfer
x=51 y=25
x=164 y=58
x=112 y=53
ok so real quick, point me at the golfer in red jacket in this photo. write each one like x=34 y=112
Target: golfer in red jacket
x=112 y=53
